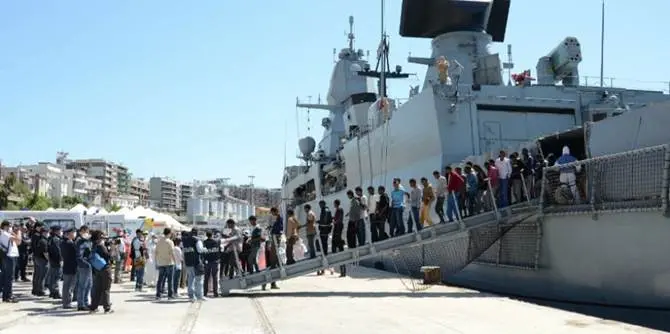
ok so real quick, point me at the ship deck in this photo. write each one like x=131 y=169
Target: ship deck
x=369 y=301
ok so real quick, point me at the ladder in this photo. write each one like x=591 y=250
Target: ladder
x=430 y=234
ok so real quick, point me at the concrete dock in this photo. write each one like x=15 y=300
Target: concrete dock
x=370 y=301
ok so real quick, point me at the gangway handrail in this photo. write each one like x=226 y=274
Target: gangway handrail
x=369 y=250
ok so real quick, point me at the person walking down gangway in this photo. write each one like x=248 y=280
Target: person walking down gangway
x=325 y=227
x=568 y=173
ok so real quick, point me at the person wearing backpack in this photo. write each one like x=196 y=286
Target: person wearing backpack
x=54 y=257
x=100 y=260
x=10 y=239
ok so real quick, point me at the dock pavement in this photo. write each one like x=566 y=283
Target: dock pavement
x=370 y=301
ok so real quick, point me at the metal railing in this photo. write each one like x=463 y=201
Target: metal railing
x=635 y=180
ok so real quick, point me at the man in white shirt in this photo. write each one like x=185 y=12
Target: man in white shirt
x=372 y=200
x=440 y=194
x=362 y=230
x=504 y=168
x=10 y=239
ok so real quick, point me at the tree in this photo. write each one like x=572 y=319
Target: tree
x=113 y=207
x=70 y=201
x=36 y=202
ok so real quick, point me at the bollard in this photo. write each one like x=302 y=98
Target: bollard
x=431 y=275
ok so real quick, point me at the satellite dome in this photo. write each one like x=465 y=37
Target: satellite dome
x=355 y=67
x=307 y=145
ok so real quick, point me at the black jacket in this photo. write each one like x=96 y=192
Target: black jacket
x=68 y=252
x=53 y=251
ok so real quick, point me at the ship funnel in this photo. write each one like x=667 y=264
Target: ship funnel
x=307 y=146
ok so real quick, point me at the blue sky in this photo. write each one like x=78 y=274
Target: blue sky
x=205 y=89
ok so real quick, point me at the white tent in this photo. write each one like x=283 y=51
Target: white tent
x=123 y=211
x=50 y=209
x=78 y=208
x=170 y=222
x=102 y=211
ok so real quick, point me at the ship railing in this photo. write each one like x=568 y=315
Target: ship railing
x=629 y=181
x=611 y=82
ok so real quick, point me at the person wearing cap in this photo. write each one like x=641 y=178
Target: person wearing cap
x=137 y=255
x=102 y=278
x=68 y=252
x=54 y=255
x=40 y=246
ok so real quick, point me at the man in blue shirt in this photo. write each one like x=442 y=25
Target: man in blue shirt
x=397 y=207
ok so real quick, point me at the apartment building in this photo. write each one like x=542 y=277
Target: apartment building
x=50 y=179
x=94 y=191
x=103 y=170
x=122 y=179
x=164 y=192
x=185 y=192
x=140 y=188
x=78 y=183
x=125 y=200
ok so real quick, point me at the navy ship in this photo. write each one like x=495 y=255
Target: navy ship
x=466 y=110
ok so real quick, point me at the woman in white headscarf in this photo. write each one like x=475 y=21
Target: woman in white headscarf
x=151 y=272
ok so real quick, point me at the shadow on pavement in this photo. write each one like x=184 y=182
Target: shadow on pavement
x=653 y=319
x=362 y=294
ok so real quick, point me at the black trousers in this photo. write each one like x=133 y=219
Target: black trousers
x=211 y=271
x=22 y=264
x=100 y=293
x=338 y=244
x=352 y=233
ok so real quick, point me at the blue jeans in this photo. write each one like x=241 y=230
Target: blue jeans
x=194 y=283
x=396 y=222
x=165 y=273
x=311 y=246
x=504 y=190
x=8 y=266
x=53 y=277
x=84 y=284
x=176 y=277
x=139 y=277
x=413 y=220
x=452 y=211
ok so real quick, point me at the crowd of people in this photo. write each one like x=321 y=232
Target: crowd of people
x=79 y=265
x=81 y=259
x=88 y=262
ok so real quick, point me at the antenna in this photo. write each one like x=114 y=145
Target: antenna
x=351 y=36
x=602 y=44
x=509 y=65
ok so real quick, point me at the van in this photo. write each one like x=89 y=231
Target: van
x=65 y=219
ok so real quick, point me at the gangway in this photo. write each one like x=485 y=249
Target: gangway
x=439 y=232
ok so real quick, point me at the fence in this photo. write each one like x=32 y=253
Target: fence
x=627 y=181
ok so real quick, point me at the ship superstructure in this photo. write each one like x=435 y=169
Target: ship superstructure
x=464 y=109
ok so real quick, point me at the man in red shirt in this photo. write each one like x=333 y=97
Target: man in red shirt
x=454 y=184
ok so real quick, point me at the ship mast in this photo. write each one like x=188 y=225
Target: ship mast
x=382 y=69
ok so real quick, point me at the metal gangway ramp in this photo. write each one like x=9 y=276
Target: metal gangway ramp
x=430 y=234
